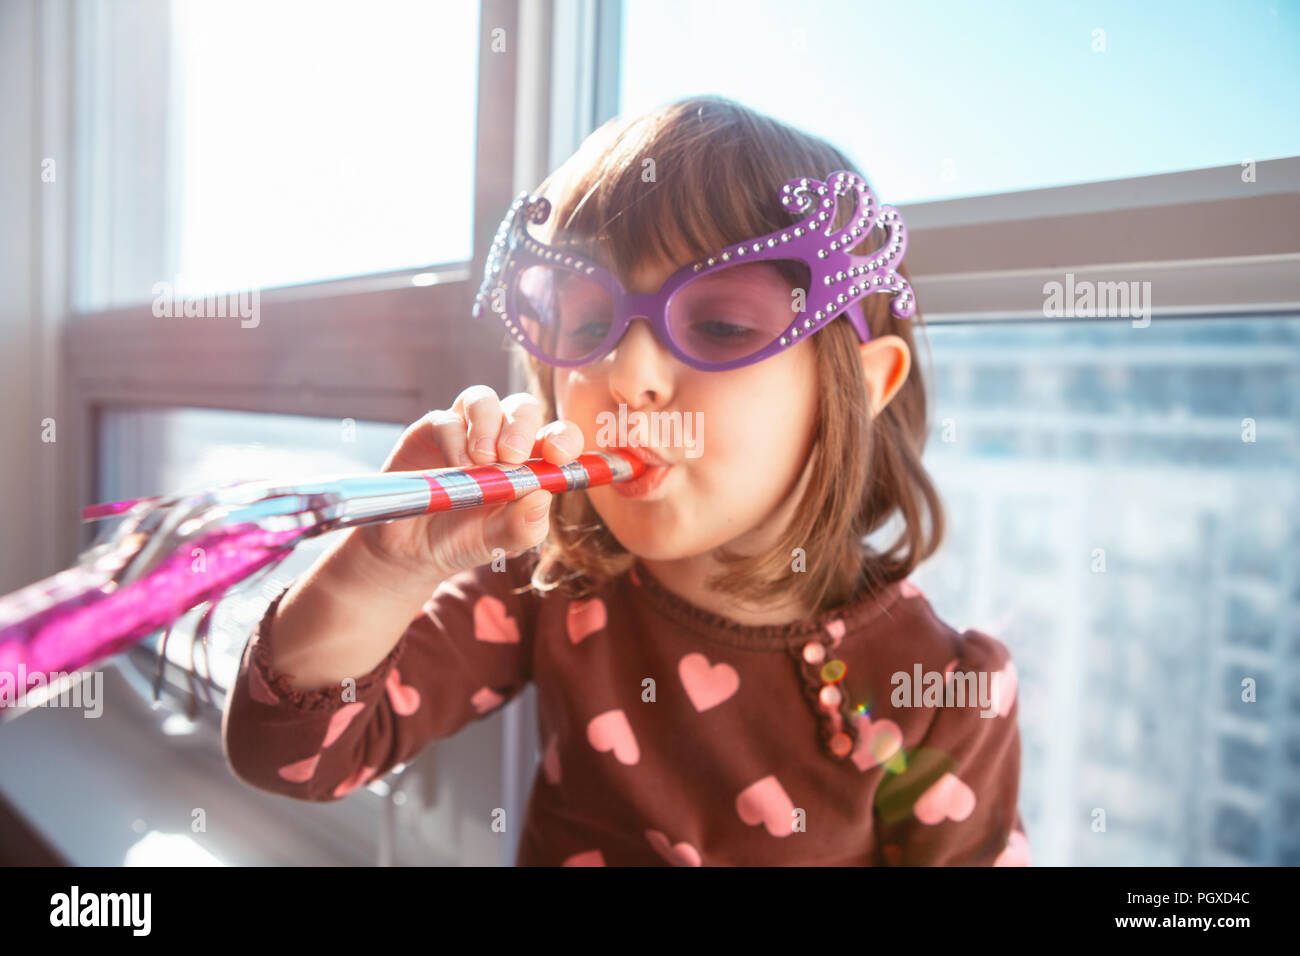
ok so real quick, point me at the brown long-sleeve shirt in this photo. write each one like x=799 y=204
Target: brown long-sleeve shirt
x=672 y=735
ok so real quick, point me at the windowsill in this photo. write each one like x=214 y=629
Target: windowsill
x=118 y=777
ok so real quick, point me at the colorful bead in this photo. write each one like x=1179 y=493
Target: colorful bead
x=833 y=671
x=814 y=653
x=830 y=697
x=841 y=744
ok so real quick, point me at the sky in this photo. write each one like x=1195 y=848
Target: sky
x=938 y=100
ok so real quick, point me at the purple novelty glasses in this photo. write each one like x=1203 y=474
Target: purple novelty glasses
x=739 y=306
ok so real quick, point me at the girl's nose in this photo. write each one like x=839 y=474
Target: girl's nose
x=640 y=372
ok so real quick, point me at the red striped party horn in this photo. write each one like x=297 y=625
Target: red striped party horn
x=451 y=489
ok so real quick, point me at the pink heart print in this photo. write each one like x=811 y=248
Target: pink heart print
x=551 y=761
x=588 y=858
x=611 y=731
x=679 y=854
x=585 y=618
x=766 y=802
x=1003 y=688
x=259 y=689
x=404 y=697
x=948 y=798
x=356 y=779
x=1016 y=852
x=484 y=699
x=707 y=686
x=492 y=623
x=340 y=721
x=877 y=742
x=300 y=771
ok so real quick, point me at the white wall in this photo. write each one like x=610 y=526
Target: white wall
x=37 y=534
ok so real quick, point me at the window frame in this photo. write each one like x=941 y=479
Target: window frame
x=418 y=343
x=1209 y=244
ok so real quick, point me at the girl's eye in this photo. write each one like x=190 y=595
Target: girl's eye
x=721 y=331
x=591 y=330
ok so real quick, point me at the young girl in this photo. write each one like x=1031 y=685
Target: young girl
x=727 y=672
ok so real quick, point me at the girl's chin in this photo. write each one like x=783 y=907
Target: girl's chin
x=644 y=534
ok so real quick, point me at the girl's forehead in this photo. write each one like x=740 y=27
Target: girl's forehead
x=649 y=276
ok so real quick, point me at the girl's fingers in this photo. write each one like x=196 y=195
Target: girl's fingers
x=480 y=408
x=559 y=442
x=448 y=430
x=523 y=417
x=520 y=525
x=427 y=443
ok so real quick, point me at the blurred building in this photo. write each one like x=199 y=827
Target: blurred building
x=1110 y=521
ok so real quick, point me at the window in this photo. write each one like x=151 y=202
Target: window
x=319 y=141
x=1124 y=514
x=282 y=209
x=249 y=145
x=940 y=99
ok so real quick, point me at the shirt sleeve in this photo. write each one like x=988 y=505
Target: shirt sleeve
x=953 y=801
x=468 y=653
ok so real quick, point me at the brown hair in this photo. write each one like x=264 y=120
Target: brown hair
x=717 y=172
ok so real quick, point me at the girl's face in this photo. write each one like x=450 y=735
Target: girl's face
x=752 y=432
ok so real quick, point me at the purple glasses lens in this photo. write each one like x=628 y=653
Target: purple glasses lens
x=566 y=315
x=733 y=313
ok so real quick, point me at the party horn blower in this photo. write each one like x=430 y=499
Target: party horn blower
x=171 y=554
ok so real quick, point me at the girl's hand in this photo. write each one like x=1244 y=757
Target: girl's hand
x=479 y=429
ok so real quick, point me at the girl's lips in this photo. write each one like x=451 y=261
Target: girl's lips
x=646 y=455
x=643 y=484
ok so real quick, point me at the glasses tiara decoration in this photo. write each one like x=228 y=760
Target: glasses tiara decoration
x=836 y=278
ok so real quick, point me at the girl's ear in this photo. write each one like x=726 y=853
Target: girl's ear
x=885 y=364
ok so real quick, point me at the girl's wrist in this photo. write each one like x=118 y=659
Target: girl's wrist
x=356 y=559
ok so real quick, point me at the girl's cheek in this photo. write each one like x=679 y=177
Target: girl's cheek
x=560 y=389
x=576 y=401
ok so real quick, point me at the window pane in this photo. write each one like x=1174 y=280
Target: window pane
x=149 y=451
x=1124 y=513
x=945 y=99
x=317 y=140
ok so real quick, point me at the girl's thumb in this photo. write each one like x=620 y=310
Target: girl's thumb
x=523 y=523
x=536 y=506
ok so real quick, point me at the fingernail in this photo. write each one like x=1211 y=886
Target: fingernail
x=538 y=513
x=517 y=444
x=484 y=446
x=566 y=445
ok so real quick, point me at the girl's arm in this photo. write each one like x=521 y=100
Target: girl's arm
x=344 y=615
x=405 y=630
x=464 y=650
